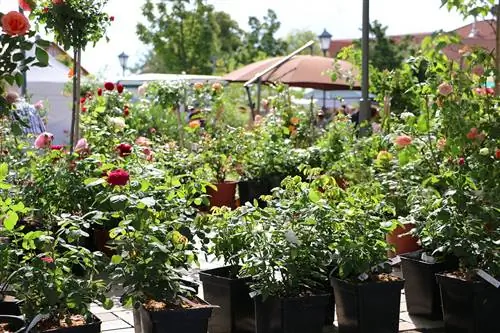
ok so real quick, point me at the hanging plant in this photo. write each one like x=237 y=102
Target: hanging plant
x=75 y=23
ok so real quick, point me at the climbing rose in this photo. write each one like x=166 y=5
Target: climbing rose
x=143 y=141
x=119 y=88
x=109 y=86
x=441 y=144
x=497 y=153
x=118 y=177
x=15 y=23
x=48 y=260
x=124 y=149
x=445 y=89
x=472 y=134
x=194 y=123
x=44 y=140
x=99 y=91
x=38 y=105
x=24 y=5
x=403 y=141
x=217 y=87
x=81 y=145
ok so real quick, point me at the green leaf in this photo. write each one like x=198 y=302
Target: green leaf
x=42 y=43
x=11 y=220
x=148 y=201
x=90 y=182
x=107 y=304
x=314 y=196
x=4 y=171
x=42 y=56
x=116 y=259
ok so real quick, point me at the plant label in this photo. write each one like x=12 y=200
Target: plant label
x=488 y=278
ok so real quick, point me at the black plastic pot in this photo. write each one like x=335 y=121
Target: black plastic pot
x=193 y=320
x=421 y=288
x=290 y=315
x=236 y=309
x=369 y=307
x=10 y=306
x=16 y=323
x=469 y=306
x=252 y=190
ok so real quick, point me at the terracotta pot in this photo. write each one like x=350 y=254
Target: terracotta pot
x=402 y=244
x=224 y=195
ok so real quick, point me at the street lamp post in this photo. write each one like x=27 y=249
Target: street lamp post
x=365 y=43
x=324 y=40
x=123 y=57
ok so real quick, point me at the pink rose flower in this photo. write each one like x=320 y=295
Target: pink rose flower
x=441 y=144
x=445 y=89
x=44 y=140
x=81 y=145
x=143 y=141
x=403 y=141
x=38 y=105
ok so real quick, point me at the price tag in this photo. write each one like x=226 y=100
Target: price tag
x=488 y=278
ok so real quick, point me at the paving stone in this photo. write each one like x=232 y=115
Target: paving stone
x=127 y=316
x=405 y=326
x=96 y=309
x=420 y=322
x=106 y=316
x=114 y=325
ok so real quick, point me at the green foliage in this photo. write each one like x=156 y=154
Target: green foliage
x=297 y=38
x=470 y=7
x=74 y=22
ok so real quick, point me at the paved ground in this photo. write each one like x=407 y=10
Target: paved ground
x=120 y=320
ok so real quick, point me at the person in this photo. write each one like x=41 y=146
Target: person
x=31 y=122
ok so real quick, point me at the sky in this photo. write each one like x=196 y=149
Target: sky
x=342 y=18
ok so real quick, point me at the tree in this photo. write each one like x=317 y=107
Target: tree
x=260 y=42
x=182 y=39
x=297 y=38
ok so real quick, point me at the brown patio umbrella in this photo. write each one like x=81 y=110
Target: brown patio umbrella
x=301 y=71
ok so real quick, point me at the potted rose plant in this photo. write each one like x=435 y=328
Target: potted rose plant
x=225 y=232
x=287 y=261
x=366 y=294
x=154 y=250
x=57 y=299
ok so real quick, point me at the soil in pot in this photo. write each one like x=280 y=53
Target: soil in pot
x=290 y=315
x=11 y=324
x=222 y=287
x=73 y=324
x=224 y=195
x=402 y=244
x=421 y=288
x=368 y=307
x=252 y=190
x=469 y=306
x=156 y=317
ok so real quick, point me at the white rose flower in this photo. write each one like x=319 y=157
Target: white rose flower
x=117 y=122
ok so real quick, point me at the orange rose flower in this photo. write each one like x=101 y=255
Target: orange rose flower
x=15 y=23
x=198 y=86
x=294 y=121
x=217 y=87
x=194 y=123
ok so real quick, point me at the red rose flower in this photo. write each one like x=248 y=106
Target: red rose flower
x=490 y=91
x=99 y=91
x=497 y=153
x=119 y=88
x=57 y=147
x=118 y=177
x=48 y=260
x=82 y=100
x=124 y=149
x=461 y=161
x=111 y=18
x=84 y=109
x=472 y=133
x=126 y=112
x=45 y=10
x=109 y=86
x=24 y=5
